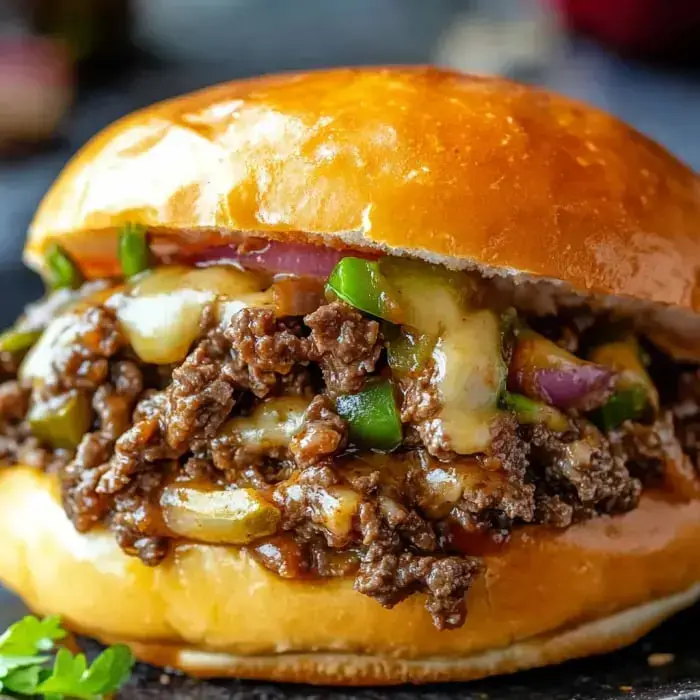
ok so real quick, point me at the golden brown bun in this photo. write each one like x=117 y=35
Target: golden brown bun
x=465 y=169
x=546 y=597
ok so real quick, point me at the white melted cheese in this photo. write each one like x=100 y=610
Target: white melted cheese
x=59 y=334
x=470 y=375
x=161 y=313
x=273 y=423
x=469 y=369
x=431 y=299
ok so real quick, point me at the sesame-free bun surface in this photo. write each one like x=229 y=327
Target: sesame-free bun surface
x=546 y=596
x=471 y=171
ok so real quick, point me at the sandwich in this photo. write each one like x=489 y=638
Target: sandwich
x=364 y=376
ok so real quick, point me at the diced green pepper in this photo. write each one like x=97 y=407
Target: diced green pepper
x=63 y=272
x=425 y=297
x=360 y=283
x=16 y=341
x=625 y=357
x=625 y=404
x=529 y=412
x=236 y=516
x=430 y=297
x=372 y=415
x=635 y=393
x=133 y=250
x=61 y=421
x=408 y=351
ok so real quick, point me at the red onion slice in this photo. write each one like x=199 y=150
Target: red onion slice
x=582 y=387
x=302 y=259
x=543 y=371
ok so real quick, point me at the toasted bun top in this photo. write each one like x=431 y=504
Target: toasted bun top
x=474 y=172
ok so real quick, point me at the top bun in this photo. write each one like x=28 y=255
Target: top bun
x=469 y=171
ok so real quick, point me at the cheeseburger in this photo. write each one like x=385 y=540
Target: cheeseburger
x=360 y=376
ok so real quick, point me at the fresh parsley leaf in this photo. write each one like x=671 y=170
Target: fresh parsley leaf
x=30 y=636
x=25 y=649
x=24 y=680
x=72 y=677
x=112 y=668
x=10 y=663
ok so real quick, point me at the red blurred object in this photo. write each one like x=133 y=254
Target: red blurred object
x=650 y=27
x=36 y=89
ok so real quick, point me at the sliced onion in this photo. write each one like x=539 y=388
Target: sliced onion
x=161 y=312
x=440 y=486
x=236 y=516
x=301 y=259
x=543 y=371
x=59 y=334
x=583 y=387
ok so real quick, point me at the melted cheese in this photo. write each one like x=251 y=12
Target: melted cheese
x=467 y=356
x=273 y=423
x=59 y=334
x=470 y=375
x=161 y=313
x=431 y=298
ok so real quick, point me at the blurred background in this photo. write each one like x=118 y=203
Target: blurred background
x=69 y=67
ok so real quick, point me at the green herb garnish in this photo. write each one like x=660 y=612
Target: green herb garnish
x=27 y=648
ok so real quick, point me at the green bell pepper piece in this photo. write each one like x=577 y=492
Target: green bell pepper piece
x=408 y=351
x=529 y=412
x=16 y=341
x=425 y=297
x=360 y=283
x=61 y=421
x=372 y=415
x=635 y=393
x=133 y=250
x=63 y=272
x=430 y=297
x=625 y=404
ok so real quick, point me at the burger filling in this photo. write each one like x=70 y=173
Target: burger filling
x=336 y=414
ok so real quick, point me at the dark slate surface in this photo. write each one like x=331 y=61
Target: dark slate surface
x=259 y=36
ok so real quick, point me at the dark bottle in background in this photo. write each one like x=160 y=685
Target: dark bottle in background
x=96 y=33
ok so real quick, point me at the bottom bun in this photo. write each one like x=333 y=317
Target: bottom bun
x=546 y=596
x=364 y=669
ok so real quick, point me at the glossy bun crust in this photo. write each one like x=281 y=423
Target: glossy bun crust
x=546 y=596
x=468 y=170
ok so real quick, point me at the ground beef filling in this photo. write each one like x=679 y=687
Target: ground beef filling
x=380 y=519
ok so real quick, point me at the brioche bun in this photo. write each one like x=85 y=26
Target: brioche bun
x=548 y=595
x=470 y=171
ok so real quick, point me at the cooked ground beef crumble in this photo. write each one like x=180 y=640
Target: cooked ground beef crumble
x=151 y=427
